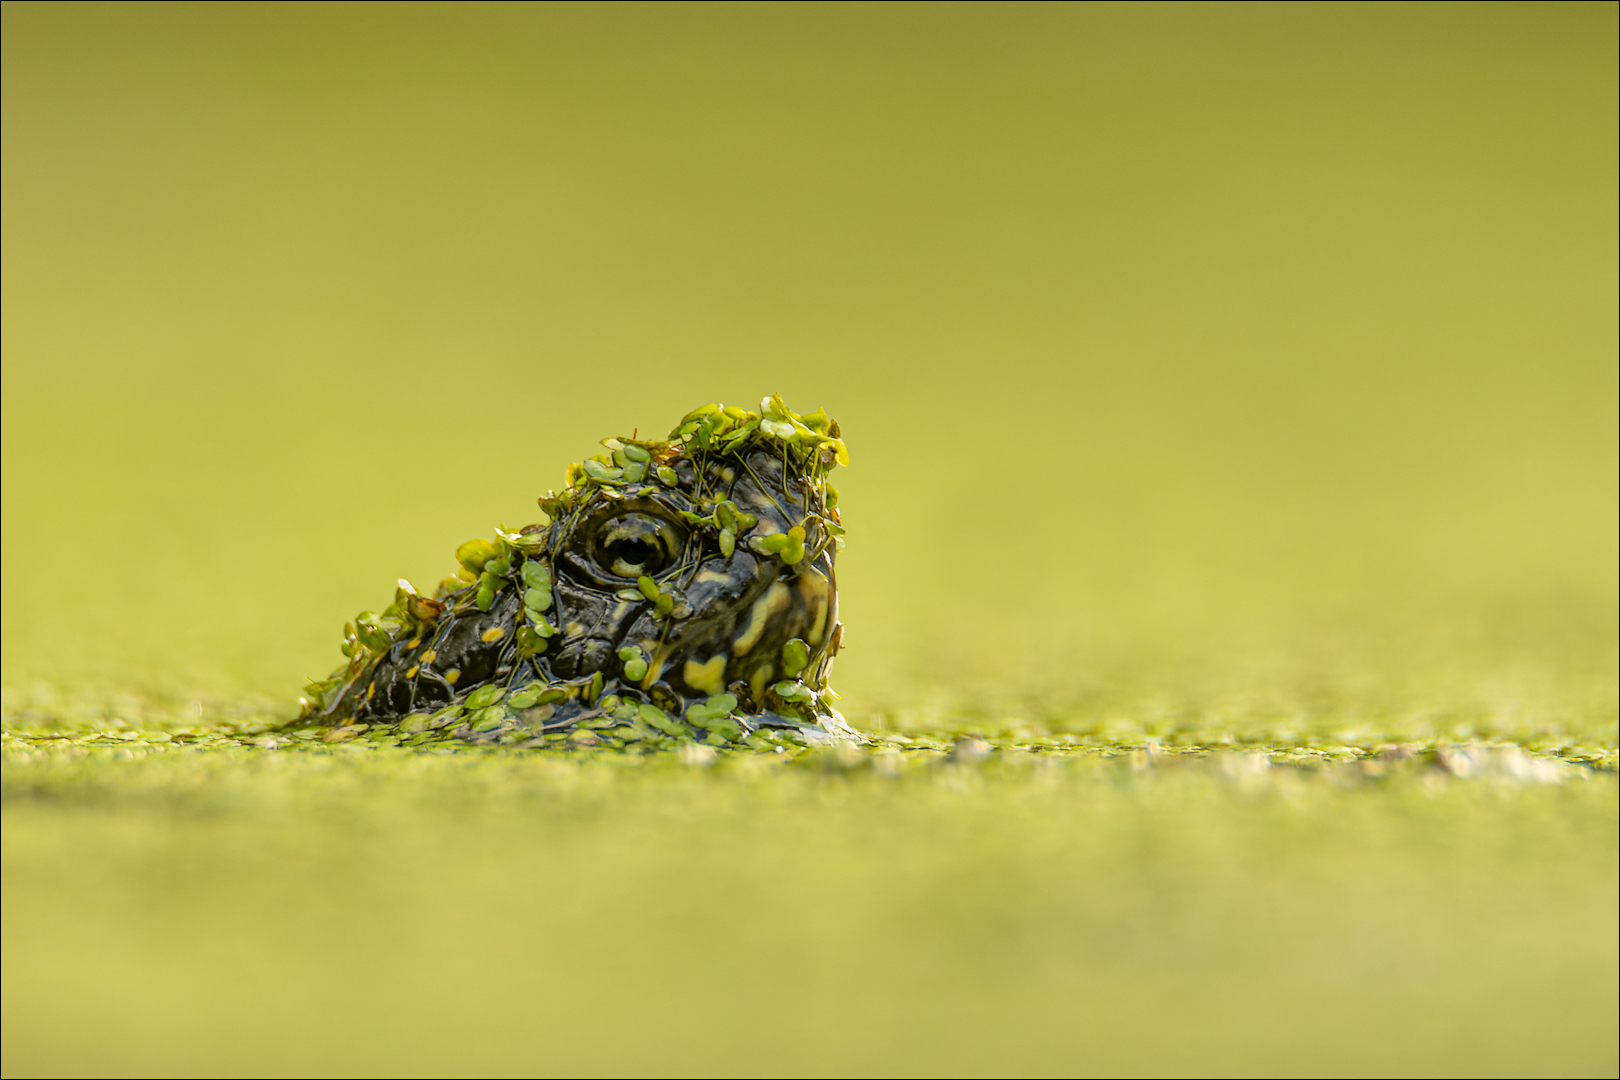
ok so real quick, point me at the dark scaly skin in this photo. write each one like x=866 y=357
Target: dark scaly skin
x=732 y=617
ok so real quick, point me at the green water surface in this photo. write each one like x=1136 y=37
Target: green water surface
x=1231 y=584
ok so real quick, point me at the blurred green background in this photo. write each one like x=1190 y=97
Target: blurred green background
x=1211 y=372
x=1151 y=326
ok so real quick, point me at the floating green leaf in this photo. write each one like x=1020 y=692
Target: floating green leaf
x=596 y=470
x=474 y=554
x=369 y=630
x=714 y=715
x=445 y=716
x=793 y=551
x=728 y=516
x=793 y=691
x=795 y=658
x=489 y=719
x=635 y=662
x=657 y=718
x=530 y=544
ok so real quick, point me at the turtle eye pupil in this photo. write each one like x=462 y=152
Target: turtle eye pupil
x=634 y=552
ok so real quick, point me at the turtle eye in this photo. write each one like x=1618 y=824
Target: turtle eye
x=631 y=545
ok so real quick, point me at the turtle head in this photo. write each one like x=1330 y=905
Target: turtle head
x=683 y=591
x=700 y=570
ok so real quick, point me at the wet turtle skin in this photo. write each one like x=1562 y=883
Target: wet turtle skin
x=685 y=586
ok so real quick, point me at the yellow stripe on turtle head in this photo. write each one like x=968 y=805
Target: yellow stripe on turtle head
x=707 y=677
x=775 y=599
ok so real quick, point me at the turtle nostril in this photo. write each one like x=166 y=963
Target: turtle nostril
x=594 y=656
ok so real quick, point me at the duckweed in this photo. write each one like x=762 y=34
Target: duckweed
x=795 y=657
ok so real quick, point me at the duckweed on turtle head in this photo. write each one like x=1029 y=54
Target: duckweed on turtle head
x=675 y=589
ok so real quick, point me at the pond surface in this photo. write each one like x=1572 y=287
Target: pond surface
x=217 y=898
